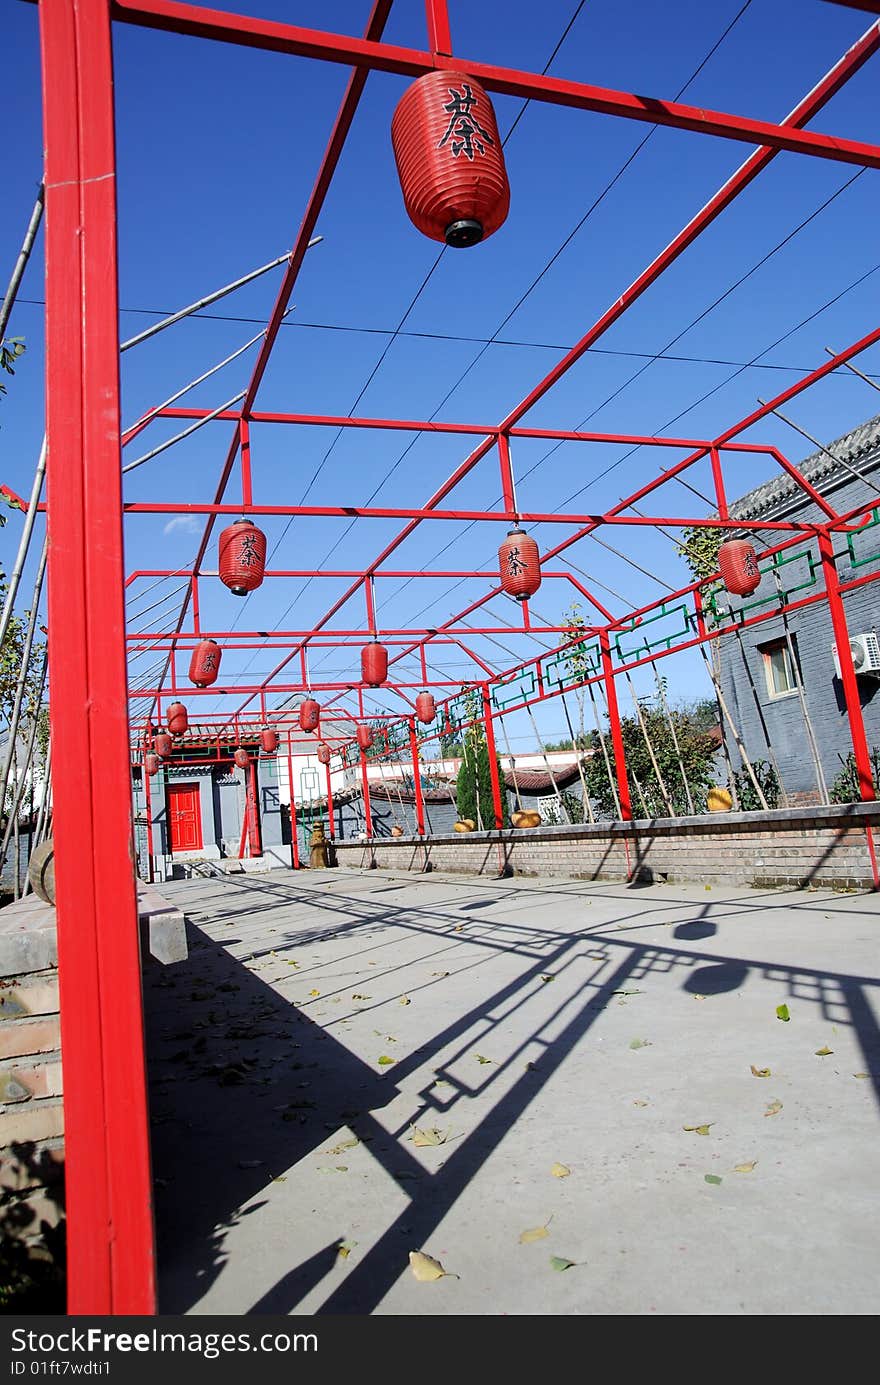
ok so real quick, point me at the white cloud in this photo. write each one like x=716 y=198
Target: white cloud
x=184 y=522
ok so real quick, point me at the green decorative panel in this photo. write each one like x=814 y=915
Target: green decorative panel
x=865 y=543
x=519 y=688
x=572 y=666
x=637 y=640
x=719 y=610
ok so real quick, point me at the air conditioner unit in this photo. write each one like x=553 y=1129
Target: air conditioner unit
x=865 y=651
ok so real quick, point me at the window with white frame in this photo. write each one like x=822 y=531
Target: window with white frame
x=780 y=669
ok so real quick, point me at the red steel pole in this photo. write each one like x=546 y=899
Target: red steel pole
x=148 y=799
x=847 y=672
x=417 y=779
x=331 y=829
x=368 y=812
x=294 y=843
x=256 y=845
x=614 y=723
x=110 y=1246
x=493 y=758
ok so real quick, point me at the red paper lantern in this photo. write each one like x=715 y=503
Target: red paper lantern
x=205 y=664
x=364 y=737
x=738 y=564
x=269 y=740
x=425 y=708
x=374 y=664
x=152 y=763
x=163 y=745
x=242 y=557
x=178 y=720
x=241 y=757
x=309 y=714
x=449 y=159
x=324 y=753
x=520 y=565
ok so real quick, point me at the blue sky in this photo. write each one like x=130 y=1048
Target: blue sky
x=218 y=148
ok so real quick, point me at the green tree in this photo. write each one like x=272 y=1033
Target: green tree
x=697 y=749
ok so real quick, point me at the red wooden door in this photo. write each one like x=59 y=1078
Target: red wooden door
x=184 y=817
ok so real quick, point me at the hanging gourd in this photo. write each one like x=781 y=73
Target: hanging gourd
x=241 y=757
x=520 y=565
x=163 y=745
x=205 y=664
x=425 y=708
x=178 y=720
x=269 y=740
x=449 y=159
x=738 y=564
x=374 y=664
x=152 y=763
x=364 y=737
x=309 y=714
x=323 y=754
x=242 y=557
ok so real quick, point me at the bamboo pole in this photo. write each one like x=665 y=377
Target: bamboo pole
x=562 y=810
x=650 y=749
x=747 y=764
x=662 y=695
x=184 y=433
x=758 y=708
x=585 y=793
x=21 y=681
x=808 y=723
x=519 y=802
x=608 y=770
x=21 y=262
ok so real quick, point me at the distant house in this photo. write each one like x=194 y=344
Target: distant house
x=762 y=665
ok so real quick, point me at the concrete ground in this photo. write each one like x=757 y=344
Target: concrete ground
x=534 y=1028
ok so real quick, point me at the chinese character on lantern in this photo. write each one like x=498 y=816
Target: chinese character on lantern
x=750 y=563
x=467 y=134
x=248 y=554
x=210 y=661
x=515 y=564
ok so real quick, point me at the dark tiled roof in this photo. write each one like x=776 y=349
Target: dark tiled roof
x=860 y=448
x=534 y=781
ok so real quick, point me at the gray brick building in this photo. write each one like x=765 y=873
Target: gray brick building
x=759 y=676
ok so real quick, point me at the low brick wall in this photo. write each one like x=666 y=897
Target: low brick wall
x=820 y=846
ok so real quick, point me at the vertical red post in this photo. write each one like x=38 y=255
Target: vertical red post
x=718 y=478
x=439 y=39
x=247 y=497
x=417 y=779
x=368 y=812
x=847 y=672
x=255 y=841
x=614 y=723
x=110 y=1249
x=148 y=800
x=331 y=828
x=507 y=487
x=493 y=758
x=294 y=843
x=197 y=629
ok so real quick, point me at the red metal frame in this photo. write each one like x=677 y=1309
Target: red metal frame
x=110 y=1220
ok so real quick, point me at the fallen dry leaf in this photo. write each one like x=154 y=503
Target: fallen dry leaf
x=699 y=1129
x=423 y=1138
x=549 y=977
x=773 y=1108
x=405 y=1000
x=745 y=1168
x=426 y=1268
x=640 y=1043
x=559 y=1262
x=861 y=1074
x=711 y=1178
x=384 y=1060
x=824 y=1052
x=346 y=1144
x=357 y=996
x=344 y=1249
x=639 y=1103
x=782 y=1013
x=314 y=992
x=760 y=1072
x=480 y=1059
x=560 y=1171
x=536 y=1233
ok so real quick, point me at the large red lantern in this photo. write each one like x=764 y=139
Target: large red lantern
x=449 y=159
x=242 y=557
x=163 y=745
x=309 y=714
x=364 y=737
x=520 y=565
x=152 y=763
x=738 y=564
x=269 y=740
x=425 y=708
x=241 y=757
x=324 y=754
x=205 y=664
x=374 y=664
x=178 y=720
